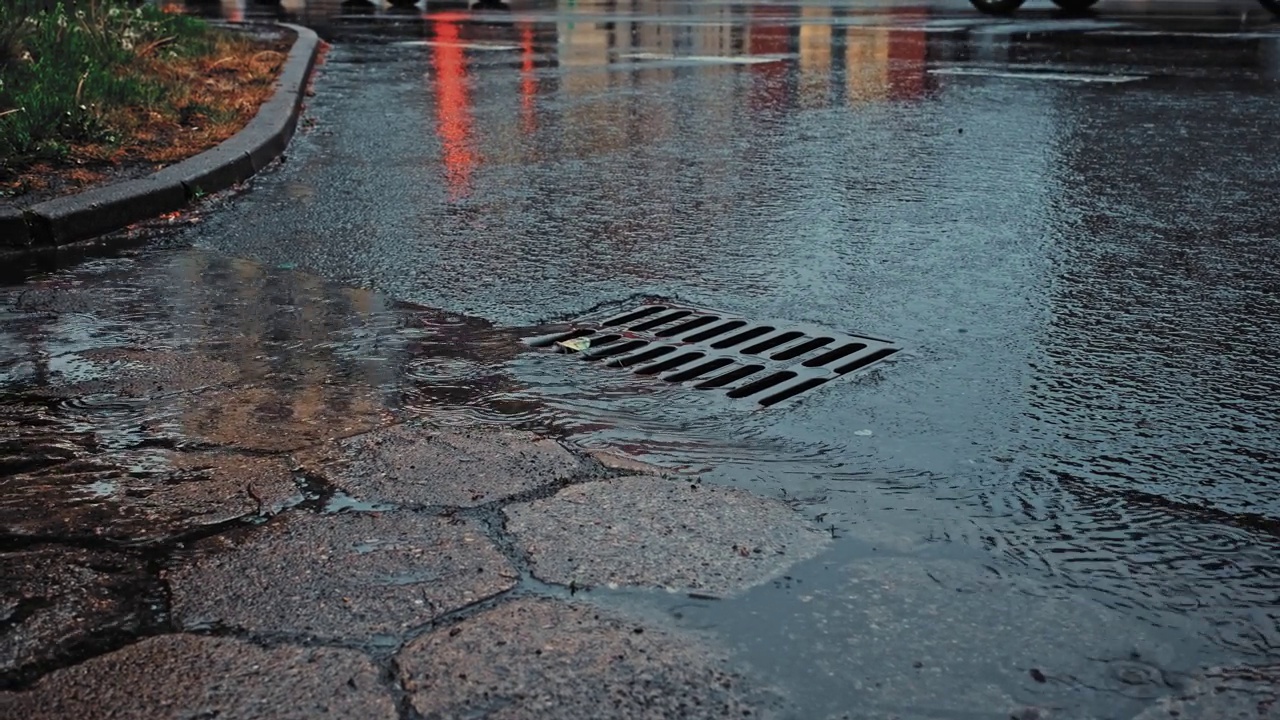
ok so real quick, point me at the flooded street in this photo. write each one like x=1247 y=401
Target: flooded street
x=1062 y=496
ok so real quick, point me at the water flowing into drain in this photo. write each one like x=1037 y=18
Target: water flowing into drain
x=707 y=350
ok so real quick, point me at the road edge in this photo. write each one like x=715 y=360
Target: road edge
x=73 y=218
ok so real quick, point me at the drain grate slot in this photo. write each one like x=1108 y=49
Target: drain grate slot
x=613 y=349
x=864 y=361
x=669 y=364
x=598 y=340
x=833 y=355
x=685 y=327
x=633 y=316
x=552 y=339
x=765 y=362
x=730 y=377
x=660 y=321
x=772 y=342
x=636 y=358
x=790 y=390
x=741 y=337
x=763 y=383
x=720 y=329
x=798 y=350
x=698 y=370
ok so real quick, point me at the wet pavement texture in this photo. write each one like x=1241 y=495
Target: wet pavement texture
x=1237 y=693
x=413 y=465
x=363 y=576
x=143 y=496
x=249 y=498
x=1059 y=500
x=59 y=603
x=660 y=533
x=539 y=658
x=177 y=677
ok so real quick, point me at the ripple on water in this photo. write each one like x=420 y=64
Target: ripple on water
x=104 y=405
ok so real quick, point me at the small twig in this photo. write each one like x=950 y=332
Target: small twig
x=10 y=112
x=80 y=86
x=154 y=45
x=255 y=496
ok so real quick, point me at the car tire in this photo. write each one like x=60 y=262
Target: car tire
x=1075 y=5
x=1272 y=5
x=997 y=7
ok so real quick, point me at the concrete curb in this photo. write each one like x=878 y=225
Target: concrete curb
x=73 y=218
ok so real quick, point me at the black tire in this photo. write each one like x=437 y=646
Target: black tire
x=1075 y=5
x=1272 y=5
x=998 y=7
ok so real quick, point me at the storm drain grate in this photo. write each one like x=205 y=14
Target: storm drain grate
x=766 y=362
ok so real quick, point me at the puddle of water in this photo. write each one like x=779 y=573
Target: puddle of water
x=341 y=502
x=1041 y=425
x=1078 y=451
x=483 y=47
x=726 y=59
x=1085 y=545
x=102 y=488
x=1032 y=75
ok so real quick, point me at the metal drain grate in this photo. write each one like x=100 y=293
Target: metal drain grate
x=707 y=350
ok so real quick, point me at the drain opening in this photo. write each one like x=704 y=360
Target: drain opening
x=670 y=364
x=642 y=356
x=598 y=340
x=800 y=349
x=660 y=320
x=552 y=339
x=833 y=355
x=633 y=316
x=763 y=383
x=772 y=342
x=730 y=377
x=742 y=337
x=704 y=349
x=613 y=349
x=685 y=327
x=793 y=390
x=865 y=360
x=717 y=330
x=696 y=370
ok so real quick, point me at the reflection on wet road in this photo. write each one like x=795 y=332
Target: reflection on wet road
x=1073 y=467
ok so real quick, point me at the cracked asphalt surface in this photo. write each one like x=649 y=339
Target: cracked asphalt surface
x=1057 y=501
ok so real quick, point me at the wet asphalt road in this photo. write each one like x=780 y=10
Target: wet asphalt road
x=1073 y=466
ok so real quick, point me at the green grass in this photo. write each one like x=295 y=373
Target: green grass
x=67 y=72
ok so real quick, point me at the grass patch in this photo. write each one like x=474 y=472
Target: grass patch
x=110 y=82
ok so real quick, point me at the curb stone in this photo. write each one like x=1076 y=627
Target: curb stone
x=14 y=234
x=72 y=218
x=103 y=209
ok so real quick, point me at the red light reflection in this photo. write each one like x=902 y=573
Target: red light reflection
x=528 y=83
x=453 y=107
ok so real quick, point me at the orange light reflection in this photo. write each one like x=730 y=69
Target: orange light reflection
x=453 y=108
x=528 y=83
x=908 y=53
x=770 y=34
